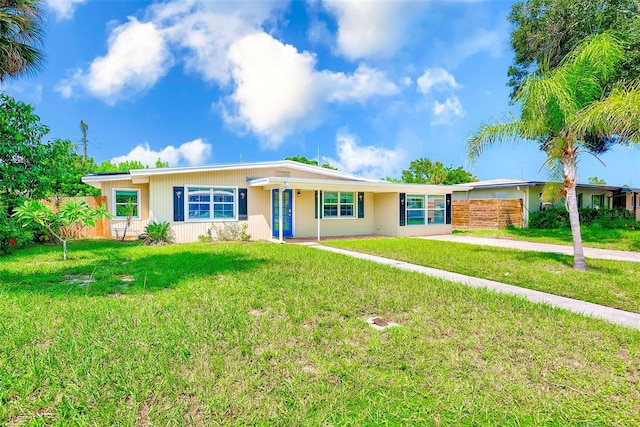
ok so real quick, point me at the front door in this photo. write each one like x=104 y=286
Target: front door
x=287 y=213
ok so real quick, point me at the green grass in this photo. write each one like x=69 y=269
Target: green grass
x=596 y=237
x=266 y=334
x=610 y=283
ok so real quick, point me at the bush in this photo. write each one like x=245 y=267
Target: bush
x=558 y=217
x=226 y=232
x=12 y=235
x=157 y=233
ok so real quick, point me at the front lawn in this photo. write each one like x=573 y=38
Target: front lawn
x=610 y=283
x=267 y=334
x=595 y=237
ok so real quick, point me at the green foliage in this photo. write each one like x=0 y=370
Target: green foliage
x=21 y=35
x=558 y=217
x=264 y=334
x=595 y=180
x=425 y=171
x=66 y=223
x=158 y=233
x=545 y=31
x=12 y=235
x=303 y=159
x=126 y=166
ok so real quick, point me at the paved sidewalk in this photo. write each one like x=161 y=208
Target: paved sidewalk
x=612 y=315
x=538 y=247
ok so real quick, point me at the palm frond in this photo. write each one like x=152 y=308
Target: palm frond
x=490 y=133
x=617 y=114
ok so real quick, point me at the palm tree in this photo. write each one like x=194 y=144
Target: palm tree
x=20 y=37
x=566 y=110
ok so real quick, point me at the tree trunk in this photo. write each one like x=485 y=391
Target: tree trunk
x=570 y=169
x=64 y=250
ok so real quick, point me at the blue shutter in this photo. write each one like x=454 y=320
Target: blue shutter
x=315 y=211
x=447 y=212
x=360 y=205
x=242 y=204
x=403 y=210
x=178 y=203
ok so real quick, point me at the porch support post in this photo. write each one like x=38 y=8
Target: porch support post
x=280 y=230
x=319 y=211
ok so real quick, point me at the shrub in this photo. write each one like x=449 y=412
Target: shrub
x=558 y=217
x=12 y=235
x=227 y=232
x=157 y=233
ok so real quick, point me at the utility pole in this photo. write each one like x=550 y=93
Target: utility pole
x=83 y=128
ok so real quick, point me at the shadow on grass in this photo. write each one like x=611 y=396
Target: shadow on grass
x=107 y=268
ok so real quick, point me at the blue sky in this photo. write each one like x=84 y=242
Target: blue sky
x=372 y=84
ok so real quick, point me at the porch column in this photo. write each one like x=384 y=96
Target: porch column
x=280 y=230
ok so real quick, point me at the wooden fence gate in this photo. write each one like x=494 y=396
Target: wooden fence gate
x=486 y=213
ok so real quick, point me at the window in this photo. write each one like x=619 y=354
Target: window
x=338 y=205
x=126 y=203
x=580 y=202
x=598 y=201
x=435 y=209
x=415 y=210
x=206 y=203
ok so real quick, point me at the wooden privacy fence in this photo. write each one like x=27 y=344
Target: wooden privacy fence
x=486 y=213
x=101 y=228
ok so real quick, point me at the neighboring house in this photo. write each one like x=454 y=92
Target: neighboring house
x=530 y=192
x=281 y=199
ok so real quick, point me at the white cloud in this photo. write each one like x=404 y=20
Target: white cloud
x=192 y=153
x=445 y=112
x=369 y=161
x=363 y=84
x=138 y=56
x=438 y=79
x=278 y=91
x=274 y=86
x=63 y=9
x=372 y=28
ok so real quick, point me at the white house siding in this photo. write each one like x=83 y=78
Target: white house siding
x=258 y=199
x=387 y=219
x=116 y=226
x=386 y=215
x=306 y=223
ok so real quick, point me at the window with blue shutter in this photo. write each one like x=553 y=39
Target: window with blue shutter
x=448 y=209
x=318 y=208
x=403 y=211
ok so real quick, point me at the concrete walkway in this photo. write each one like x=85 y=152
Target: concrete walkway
x=538 y=247
x=612 y=315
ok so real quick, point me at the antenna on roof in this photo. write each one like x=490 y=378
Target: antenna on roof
x=318 y=154
x=240 y=158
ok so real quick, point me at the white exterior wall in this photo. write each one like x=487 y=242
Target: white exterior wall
x=116 y=226
x=306 y=223
x=387 y=218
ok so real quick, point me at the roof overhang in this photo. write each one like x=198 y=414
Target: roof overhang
x=269 y=183
x=95 y=180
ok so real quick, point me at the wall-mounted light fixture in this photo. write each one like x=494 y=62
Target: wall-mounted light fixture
x=360 y=196
x=299 y=194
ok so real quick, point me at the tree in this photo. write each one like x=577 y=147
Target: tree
x=29 y=167
x=545 y=31
x=595 y=180
x=20 y=37
x=425 y=171
x=65 y=224
x=563 y=108
x=303 y=159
